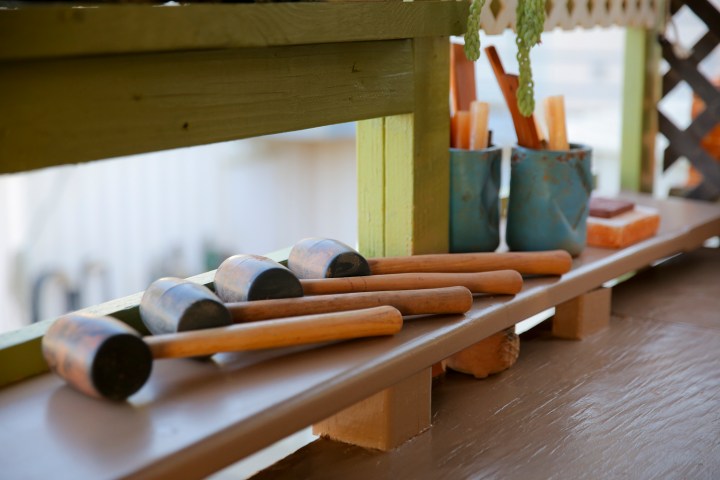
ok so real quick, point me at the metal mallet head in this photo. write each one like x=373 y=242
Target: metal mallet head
x=326 y=258
x=243 y=278
x=100 y=356
x=172 y=305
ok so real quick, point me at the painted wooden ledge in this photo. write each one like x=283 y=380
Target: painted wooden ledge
x=246 y=401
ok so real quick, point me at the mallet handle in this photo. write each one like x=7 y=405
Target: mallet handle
x=450 y=300
x=552 y=262
x=501 y=282
x=282 y=332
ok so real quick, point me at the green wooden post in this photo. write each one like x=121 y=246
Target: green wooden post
x=641 y=93
x=633 y=93
x=403 y=188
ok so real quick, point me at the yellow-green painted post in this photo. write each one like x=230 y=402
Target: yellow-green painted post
x=371 y=186
x=640 y=96
x=414 y=191
x=633 y=93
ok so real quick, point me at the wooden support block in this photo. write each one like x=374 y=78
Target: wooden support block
x=582 y=316
x=387 y=419
x=492 y=355
x=438 y=369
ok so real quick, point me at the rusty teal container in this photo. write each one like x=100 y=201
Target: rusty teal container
x=474 y=199
x=549 y=199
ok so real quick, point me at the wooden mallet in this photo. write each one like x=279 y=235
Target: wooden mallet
x=237 y=280
x=173 y=305
x=324 y=257
x=103 y=357
x=243 y=278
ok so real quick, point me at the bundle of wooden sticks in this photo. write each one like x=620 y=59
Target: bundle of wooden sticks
x=469 y=117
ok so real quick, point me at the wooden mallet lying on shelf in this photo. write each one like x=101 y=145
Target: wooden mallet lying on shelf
x=175 y=305
x=103 y=357
x=324 y=257
x=242 y=277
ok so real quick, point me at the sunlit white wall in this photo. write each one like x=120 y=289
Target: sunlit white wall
x=107 y=229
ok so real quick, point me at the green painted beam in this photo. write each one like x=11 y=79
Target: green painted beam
x=55 y=30
x=58 y=112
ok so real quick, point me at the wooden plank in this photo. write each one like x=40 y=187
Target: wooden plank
x=243 y=402
x=417 y=159
x=399 y=184
x=706 y=121
x=416 y=169
x=20 y=352
x=689 y=147
x=63 y=30
x=57 y=112
x=707 y=11
x=688 y=70
x=651 y=89
x=583 y=316
x=385 y=420
x=700 y=50
x=371 y=186
x=633 y=91
x=638 y=400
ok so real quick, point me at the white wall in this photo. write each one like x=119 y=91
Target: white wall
x=150 y=215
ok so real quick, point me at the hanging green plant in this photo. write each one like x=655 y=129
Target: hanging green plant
x=472 y=34
x=530 y=21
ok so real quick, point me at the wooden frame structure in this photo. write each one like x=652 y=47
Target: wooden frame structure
x=82 y=84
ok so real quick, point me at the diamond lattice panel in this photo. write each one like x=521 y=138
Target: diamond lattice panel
x=570 y=14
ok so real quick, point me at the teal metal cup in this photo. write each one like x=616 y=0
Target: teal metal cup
x=549 y=199
x=474 y=199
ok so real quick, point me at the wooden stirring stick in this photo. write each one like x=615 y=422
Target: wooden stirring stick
x=555 y=119
x=479 y=112
x=462 y=74
x=524 y=126
x=461 y=130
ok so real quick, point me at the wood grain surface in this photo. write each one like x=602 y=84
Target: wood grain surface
x=87 y=108
x=502 y=281
x=61 y=30
x=552 y=262
x=406 y=187
x=638 y=400
x=245 y=401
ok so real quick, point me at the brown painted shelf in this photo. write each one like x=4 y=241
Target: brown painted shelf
x=193 y=418
x=637 y=400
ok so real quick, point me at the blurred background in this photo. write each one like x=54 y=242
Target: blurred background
x=75 y=236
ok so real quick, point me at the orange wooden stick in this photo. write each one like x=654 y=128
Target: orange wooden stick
x=479 y=112
x=464 y=78
x=501 y=281
x=431 y=301
x=284 y=332
x=524 y=126
x=551 y=262
x=462 y=130
x=555 y=119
